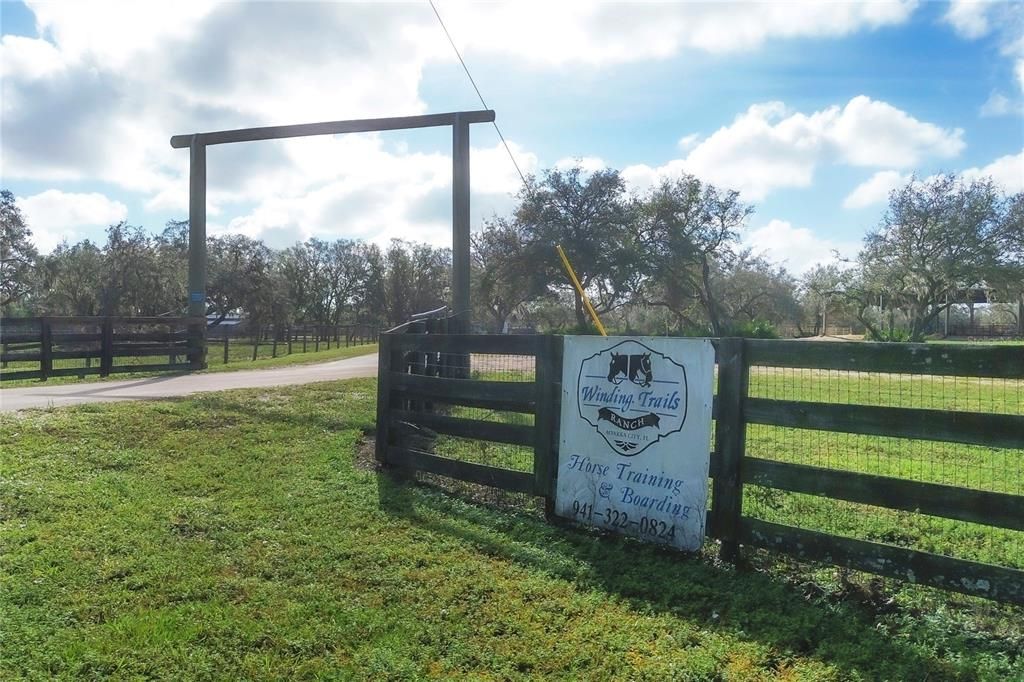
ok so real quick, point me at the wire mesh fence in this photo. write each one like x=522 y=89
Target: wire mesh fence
x=991 y=469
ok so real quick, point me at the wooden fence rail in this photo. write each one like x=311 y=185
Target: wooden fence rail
x=45 y=339
x=409 y=403
x=183 y=341
x=411 y=386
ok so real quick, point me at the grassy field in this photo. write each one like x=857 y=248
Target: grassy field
x=240 y=357
x=983 y=468
x=242 y=535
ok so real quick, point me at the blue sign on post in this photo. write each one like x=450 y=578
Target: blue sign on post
x=197 y=297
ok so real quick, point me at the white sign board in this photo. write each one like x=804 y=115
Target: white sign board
x=636 y=436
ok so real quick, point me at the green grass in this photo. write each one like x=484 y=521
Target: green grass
x=1004 y=342
x=992 y=469
x=239 y=358
x=232 y=535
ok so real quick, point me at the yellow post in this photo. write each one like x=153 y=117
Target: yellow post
x=579 y=288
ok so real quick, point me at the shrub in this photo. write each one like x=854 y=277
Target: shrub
x=894 y=336
x=754 y=329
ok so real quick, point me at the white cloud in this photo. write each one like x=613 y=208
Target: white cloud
x=798 y=248
x=592 y=33
x=1006 y=171
x=875 y=190
x=112 y=32
x=492 y=172
x=974 y=19
x=372 y=194
x=130 y=75
x=768 y=147
x=29 y=57
x=969 y=18
x=688 y=141
x=96 y=97
x=54 y=215
x=589 y=164
x=997 y=104
x=871 y=133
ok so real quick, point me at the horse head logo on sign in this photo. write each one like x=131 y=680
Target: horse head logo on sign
x=634 y=396
x=630 y=366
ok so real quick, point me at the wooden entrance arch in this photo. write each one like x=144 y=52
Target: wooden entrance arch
x=458 y=120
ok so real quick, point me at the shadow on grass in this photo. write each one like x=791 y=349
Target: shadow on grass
x=746 y=604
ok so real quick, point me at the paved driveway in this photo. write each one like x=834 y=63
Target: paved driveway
x=12 y=399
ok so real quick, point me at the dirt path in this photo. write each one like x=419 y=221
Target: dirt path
x=13 y=399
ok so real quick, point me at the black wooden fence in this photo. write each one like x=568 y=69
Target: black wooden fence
x=415 y=384
x=415 y=377
x=251 y=342
x=44 y=347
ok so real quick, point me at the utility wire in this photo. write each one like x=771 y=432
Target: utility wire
x=470 y=76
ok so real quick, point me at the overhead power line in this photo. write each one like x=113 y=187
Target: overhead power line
x=482 y=102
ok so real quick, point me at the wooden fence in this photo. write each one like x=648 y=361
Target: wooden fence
x=77 y=346
x=415 y=374
x=274 y=340
x=414 y=382
x=985 y=330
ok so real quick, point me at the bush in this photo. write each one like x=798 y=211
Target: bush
x=587 y=329
x=894 y=336
x=754 y=329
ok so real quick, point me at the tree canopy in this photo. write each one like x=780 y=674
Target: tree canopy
x=668 y=260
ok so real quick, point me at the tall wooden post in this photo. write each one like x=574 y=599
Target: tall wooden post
x=730 y=446
x=460 y=224
x=945 y=327
x=197 y=253
x=462 y=322
x=548 y=384
x=106 y=346
x=45 y=348
x=384 y=367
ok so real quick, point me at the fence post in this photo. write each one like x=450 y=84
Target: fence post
x=45 y=348
x=255 y=343
x=197 y=343
x=730 y=444
x=305 y=335
x=106 y=346
x=273 y=343
x=548 y=385
x=172 y=357
x=383 y=400
x=288 y=332
x=227 y=332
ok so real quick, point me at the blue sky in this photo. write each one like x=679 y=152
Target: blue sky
x=812 y=110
